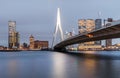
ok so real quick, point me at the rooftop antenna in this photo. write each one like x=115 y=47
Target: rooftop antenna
x=99 y=14
x=73 y=31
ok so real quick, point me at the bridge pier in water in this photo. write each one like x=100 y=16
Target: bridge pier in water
x=60 y=49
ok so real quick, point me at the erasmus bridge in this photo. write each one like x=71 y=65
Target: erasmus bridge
x=111 y=31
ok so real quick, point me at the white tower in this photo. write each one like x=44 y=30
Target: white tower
x=58 y=28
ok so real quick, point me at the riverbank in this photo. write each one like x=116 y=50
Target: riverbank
x=96 y=54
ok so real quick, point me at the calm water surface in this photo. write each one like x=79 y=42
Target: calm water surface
x=46 y=64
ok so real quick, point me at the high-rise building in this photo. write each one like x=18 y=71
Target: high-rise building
x=108 y=41
x=13 y=36
x=86 y=26
x=98 y=25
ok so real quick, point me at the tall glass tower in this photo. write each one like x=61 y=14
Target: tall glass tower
x=13 y=36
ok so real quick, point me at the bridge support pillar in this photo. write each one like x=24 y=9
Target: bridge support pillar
x=60 y=49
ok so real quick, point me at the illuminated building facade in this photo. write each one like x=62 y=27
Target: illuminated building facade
x=31 y=39
x=85 y=26
x=13 y=36
x=40 y=44
x=37 y=44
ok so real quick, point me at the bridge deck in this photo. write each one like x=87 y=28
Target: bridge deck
x=112 y=31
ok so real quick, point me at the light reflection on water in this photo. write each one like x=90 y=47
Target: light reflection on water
x=56 y=65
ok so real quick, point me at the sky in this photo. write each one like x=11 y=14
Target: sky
x=38 y=17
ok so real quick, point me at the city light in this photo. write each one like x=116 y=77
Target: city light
x=89 y=35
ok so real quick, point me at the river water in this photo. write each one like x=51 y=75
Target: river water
x=47 y=64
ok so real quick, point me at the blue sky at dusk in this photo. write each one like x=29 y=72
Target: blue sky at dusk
x=38 y=17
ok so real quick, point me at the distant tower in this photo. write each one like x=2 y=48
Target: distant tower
x=58 y=28
x=13 y=36
x=108 y=41
x=98 y=25
x=31 y=39
x=99 y=14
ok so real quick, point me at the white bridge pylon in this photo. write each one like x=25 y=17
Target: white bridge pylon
x=58 y=28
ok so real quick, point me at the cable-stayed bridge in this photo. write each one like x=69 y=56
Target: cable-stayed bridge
x=58 y=29
x=111 y=31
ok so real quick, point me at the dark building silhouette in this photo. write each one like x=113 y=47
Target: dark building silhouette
x=108 y=41
x=98 y=25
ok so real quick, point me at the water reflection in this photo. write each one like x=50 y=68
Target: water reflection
x=12 y=67
x=59 y=66
x=89 y=66
x=56 y=65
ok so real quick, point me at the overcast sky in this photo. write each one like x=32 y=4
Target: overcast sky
x=38 y=17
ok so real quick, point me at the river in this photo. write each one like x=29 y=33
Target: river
x=47 y=64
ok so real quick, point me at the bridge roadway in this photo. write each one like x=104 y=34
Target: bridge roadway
x=111 y=31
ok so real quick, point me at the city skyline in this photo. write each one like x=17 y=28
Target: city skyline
x=39 y=17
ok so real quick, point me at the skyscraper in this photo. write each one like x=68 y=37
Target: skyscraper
x=13 y=36
x=98 y=25
x=86 y=26
x=108 y=41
